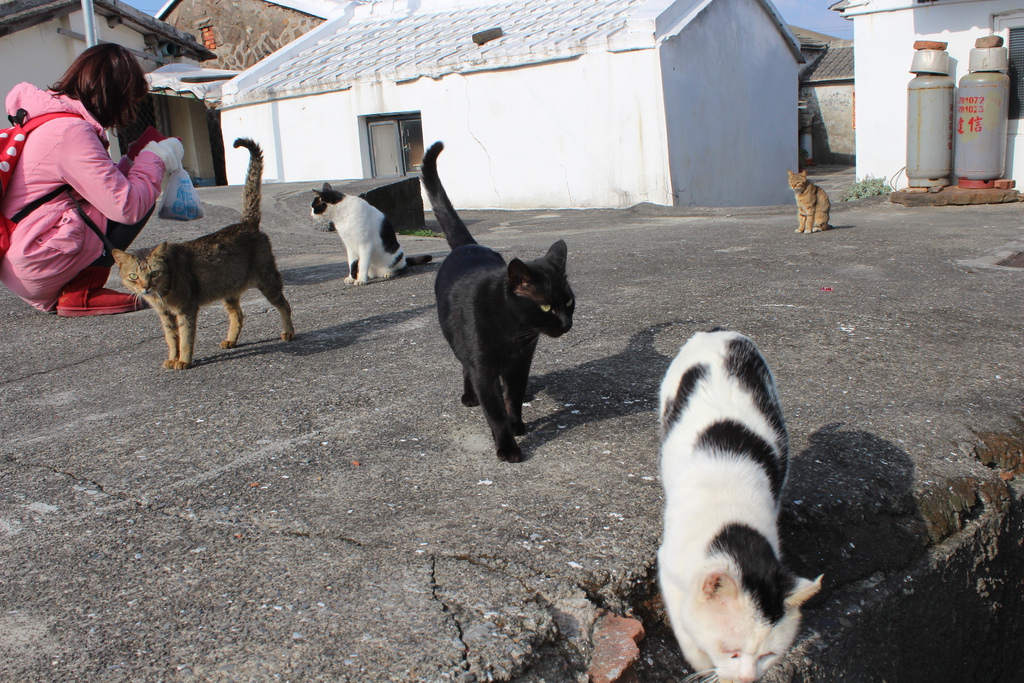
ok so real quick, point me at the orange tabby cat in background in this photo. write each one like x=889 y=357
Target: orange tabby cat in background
x=811 y=201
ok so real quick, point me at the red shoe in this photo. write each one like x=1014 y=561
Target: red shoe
x=85 y=295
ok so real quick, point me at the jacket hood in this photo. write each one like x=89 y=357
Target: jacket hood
x=38 y=102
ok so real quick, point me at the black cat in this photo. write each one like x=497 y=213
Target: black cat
x=492 y=314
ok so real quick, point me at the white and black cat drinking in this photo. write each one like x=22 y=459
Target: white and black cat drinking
x=492 y=314
x=370 y=241
x=734 y=607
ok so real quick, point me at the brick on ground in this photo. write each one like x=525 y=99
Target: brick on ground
x=616 y=649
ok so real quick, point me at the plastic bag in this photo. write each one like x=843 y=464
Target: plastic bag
x=181 y=201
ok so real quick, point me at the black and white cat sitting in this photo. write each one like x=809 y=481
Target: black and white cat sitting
x=370 y=241
x=734 y=607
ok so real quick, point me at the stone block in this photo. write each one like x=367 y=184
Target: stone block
x=954 y=196
x=397 y=198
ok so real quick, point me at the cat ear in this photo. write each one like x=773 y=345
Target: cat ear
x=119 y=256
x=159 y=250
x=804 y=591
x=719 y=586
x=520 y=279
x=803 y=173
x=327 y=188
x=556 y=254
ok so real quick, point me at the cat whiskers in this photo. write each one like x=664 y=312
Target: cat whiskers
x=156 y=294
x=708 y=676
x=526 y=334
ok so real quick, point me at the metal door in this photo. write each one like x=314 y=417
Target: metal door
x=385 y=149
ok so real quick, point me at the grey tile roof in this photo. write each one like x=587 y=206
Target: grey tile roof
x=377 y=46
x=835 y=65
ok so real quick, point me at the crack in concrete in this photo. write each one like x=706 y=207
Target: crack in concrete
x=324 y=535
x=70 y=475
x=445 y=609
x=118 y=352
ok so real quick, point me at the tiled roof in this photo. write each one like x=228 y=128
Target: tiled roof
x=16 y=15
x=835 y=65
x=376 y=44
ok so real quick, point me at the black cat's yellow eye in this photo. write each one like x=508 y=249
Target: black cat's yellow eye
x=545 y=307
x=571 y=303
x=133 y=276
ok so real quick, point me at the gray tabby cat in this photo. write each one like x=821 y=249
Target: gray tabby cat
x=178 y=279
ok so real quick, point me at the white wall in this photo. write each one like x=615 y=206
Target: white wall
x=40 y=55
x=587 y=132
x=884 y=49
x=731 y=108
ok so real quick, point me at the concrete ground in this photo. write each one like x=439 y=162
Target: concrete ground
x=326 y=510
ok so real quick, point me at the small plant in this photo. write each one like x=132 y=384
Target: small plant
x=417 y=233
x=868 y=187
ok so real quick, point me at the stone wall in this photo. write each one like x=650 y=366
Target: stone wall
x=833 y=136
x=240 y=32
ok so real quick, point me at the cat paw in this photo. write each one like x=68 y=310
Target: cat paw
x=287 y=336
x=388 y=275
x=228 y=344
x=177 y=365
x=349 y=280
x=360 y=282
x=470 y=401
x=513 y=454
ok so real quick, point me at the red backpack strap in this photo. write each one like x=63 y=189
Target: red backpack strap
x=37 y=121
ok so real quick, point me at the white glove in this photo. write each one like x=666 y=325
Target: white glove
x=170 y=152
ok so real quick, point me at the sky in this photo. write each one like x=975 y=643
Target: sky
x=813 y=15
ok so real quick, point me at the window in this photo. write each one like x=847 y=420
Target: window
x=396 y=144
x=1016 y=72
x=152 y=111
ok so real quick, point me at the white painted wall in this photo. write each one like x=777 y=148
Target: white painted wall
x=587 y=132
x=884 y=35
x=731 y=108
x=40 y=55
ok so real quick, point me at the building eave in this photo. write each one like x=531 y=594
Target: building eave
x=18 y=15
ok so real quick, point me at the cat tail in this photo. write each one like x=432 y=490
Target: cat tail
x=252 y=193
x=455 y=231
x=418 y=260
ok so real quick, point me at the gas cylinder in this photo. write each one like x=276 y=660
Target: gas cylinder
x=982 y=105
x=930 y=119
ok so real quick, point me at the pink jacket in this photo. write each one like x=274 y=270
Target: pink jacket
x=53 y=244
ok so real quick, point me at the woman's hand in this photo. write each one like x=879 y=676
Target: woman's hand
x=170 y=152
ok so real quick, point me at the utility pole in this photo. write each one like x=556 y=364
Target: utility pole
x=90 y=23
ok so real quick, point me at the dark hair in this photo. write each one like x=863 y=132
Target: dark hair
x=109 y=81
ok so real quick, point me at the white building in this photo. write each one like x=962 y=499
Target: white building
x=578 y=103
x=885 y=32
x=40 y=38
